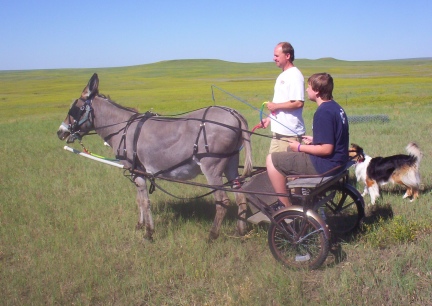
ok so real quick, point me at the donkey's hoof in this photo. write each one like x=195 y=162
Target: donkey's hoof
x=241 y=230
x=148 y=239
x=239 y=234
x=139 y=226
x=213 y=236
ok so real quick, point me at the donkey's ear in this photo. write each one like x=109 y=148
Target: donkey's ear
x=92 y=87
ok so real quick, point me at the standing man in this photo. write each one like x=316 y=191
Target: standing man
x=287 y=106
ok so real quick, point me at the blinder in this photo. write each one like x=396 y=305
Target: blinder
x=80 y=115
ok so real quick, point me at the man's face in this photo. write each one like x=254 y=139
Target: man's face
x=311 y=93
x=280 y=58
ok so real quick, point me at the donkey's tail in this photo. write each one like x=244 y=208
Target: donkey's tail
x=247 y=146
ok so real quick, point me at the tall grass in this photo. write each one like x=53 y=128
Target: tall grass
x=67 y=232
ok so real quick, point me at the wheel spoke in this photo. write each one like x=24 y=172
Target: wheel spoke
x=344 y=211
x=306 y=245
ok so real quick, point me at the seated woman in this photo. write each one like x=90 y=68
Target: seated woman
x=327 y=148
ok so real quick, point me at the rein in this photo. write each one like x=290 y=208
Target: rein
x=85 y=150
x=85 y=113
x=251 y=106
x=195 y=156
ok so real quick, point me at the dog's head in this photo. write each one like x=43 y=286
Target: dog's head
x=356 y=153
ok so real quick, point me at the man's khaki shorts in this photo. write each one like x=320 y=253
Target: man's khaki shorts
x=279 y=143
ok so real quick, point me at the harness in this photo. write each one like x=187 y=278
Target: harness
x=84 y=115
x=121 y=153
x=195 y=156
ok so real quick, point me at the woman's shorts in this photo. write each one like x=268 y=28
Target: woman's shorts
x=290 y=163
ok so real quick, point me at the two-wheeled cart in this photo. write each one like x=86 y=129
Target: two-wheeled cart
x=300 y=235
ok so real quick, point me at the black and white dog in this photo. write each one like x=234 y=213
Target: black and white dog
x=397 y=169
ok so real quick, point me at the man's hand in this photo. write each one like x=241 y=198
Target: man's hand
x=272 y=107
x=307 y=139
x=266 y=122
x=262 y=125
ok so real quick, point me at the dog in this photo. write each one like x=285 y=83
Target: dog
x=397 y=169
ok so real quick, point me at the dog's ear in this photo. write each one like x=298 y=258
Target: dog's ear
x=356 y=147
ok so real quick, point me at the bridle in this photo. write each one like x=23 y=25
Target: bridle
x=80 y=115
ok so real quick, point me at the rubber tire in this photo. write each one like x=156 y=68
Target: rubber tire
x=309 y=253
x=345 y=211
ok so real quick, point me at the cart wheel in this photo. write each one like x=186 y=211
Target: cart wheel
x=344 y=210
x=305 y=243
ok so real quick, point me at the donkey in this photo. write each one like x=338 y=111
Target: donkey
x=203 y=141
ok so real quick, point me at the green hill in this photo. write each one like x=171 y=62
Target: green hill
x=181 y=85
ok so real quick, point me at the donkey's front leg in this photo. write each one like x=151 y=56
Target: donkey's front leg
x=143 y=203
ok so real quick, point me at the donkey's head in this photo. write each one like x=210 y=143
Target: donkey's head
x=80 y=117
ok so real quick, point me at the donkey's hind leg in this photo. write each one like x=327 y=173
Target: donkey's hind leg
x=143 y=203
x=222 y=202
x=231 y=172
x=242 y=208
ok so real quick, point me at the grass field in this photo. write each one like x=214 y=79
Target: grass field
x=67 y=224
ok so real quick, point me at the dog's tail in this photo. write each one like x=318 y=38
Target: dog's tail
x=413 y=150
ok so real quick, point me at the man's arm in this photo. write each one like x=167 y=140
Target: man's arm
x=290 y=105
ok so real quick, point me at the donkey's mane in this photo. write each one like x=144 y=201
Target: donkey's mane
x=118 y=105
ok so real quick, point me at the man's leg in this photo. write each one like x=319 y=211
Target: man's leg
x=278 y=180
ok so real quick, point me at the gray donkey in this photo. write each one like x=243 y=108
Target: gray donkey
x=204 y=141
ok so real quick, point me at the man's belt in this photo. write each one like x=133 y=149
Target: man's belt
x=280 y=136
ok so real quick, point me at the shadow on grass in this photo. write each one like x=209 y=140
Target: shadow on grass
x=425 y=189
x=203 y=210
x=398 y=190
x=372 y=215
x=199 y=209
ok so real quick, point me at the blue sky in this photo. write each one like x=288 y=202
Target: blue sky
x=92 y=34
